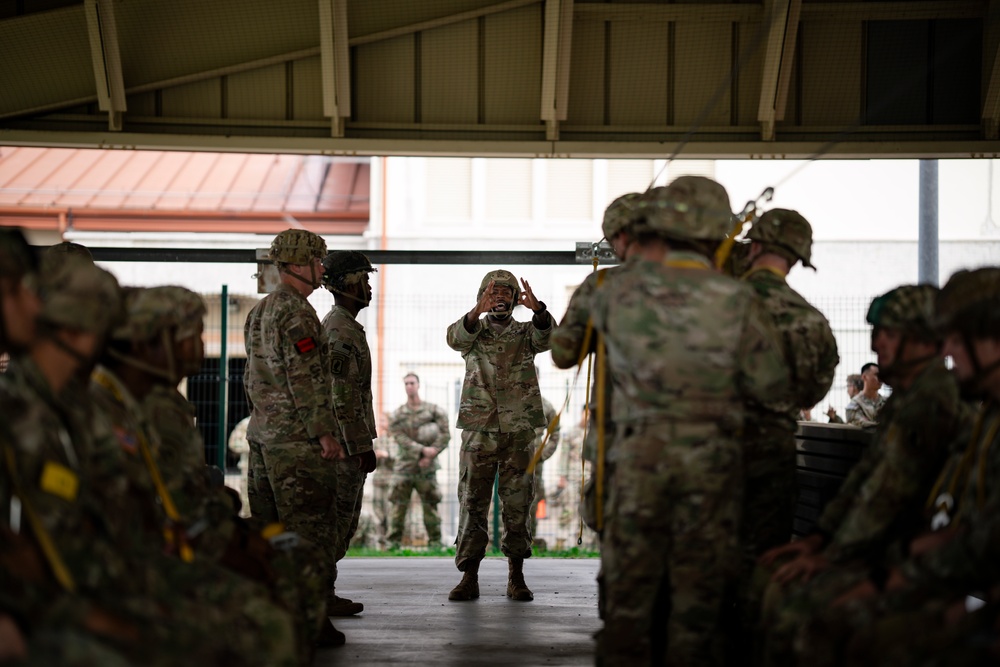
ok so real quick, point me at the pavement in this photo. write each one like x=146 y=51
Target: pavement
x=408 y=619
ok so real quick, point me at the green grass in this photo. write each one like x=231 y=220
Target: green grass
x=449 y=552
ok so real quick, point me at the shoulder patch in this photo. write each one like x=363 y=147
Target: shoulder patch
x=307 y=344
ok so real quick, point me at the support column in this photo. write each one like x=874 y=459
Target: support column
x=927 y=243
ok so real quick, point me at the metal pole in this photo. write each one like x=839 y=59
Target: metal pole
x=496 y=513
x=223 y=375
x=927 y=242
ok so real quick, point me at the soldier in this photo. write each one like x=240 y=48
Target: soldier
x=572 y=341
x=420 y=431
x=165 y=326
x=382 y=483
x=501 y=408
x=779 y=240
x=350 y=365
x=550 y=448
x=881 y=500
x=687 y=348
x=568 y=494
x=864 y=408
x=293 y=478
x=854 y=386
x=61 y=452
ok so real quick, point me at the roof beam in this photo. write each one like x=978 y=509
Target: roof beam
x=556 y=57
x=991 y=98
x=102 y=30
x=335 y=63
x=778 y=59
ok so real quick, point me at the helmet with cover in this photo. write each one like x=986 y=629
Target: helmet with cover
x=79 y=295
x=618 y=215
x=344 y=268
x=908 y=308
x=970 y=303
x=297 y=246
x=501 y=278
x=787 y=230
x=691 y=208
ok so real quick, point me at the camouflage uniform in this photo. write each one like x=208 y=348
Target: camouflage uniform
x=863 y=411
x=350 y=364
x=500 y=409
x=880 y=502
x=412 y=429
x=550 y=449
x=288 y=387
x=687 y=348
x=566 y=500
x=810 y=352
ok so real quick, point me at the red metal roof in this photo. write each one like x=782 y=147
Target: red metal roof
x=165 y=191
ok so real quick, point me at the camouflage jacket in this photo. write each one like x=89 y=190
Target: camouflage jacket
x=810 y=350
x=412 y=429
x=687 y=344
x=881 y=501
x=862 y=411
x=181 y=460
x=500 y=392
x=52 y=466
x=286 y=378
x=568 y=345
x=971 y=561
x=350 y=364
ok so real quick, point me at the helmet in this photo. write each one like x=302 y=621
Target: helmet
x=428 y=433
x=787 y=229
x=970 y=303
x=500 y=277
x=16 y=257
x=77 y=294
x=341 y=265
x=296 y=246
x=69 y=248
x=690 y=208
x=619 y=214
x=909 y=308
x=150 y=311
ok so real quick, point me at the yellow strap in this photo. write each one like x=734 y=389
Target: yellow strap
x=186 y=554
x=55 y=561
x=685 y=264
x=726 y=247
x=770 y=269
x=601 y=445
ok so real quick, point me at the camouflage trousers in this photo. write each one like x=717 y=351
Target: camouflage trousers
x=426 y=486
x=787 y=609
x=769 y=496
x=290 y=483
x=484 y=457
x=670 y=549
x=350 y=493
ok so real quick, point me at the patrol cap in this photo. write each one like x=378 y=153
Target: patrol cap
x=297 y=246
x=500 y=277
x=339 y=264
x=909 y=308
x=690 y=208
x=16 y=257
x=787 y=229
x=970 y=302
x=151 y=310
x=77 y=294
x=619 y=214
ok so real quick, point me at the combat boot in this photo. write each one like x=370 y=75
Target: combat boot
x=338 y=606
x=468 y=588
x=516 y=588
x=330 y=636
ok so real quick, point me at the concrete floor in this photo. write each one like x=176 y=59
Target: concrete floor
x=408 y=619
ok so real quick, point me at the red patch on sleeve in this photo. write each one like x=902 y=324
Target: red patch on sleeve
x=306 y=345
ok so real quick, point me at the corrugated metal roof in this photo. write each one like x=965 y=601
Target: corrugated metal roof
x=181 y=191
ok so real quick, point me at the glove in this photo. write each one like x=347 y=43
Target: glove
x=368 y=461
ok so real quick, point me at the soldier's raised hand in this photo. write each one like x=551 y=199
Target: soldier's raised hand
x=486 y=301
x=528 y=298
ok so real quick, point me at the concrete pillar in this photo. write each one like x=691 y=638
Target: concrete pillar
x=927 y=241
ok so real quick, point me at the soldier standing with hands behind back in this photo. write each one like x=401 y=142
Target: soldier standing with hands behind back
x=500 y=410
x=420 y=430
